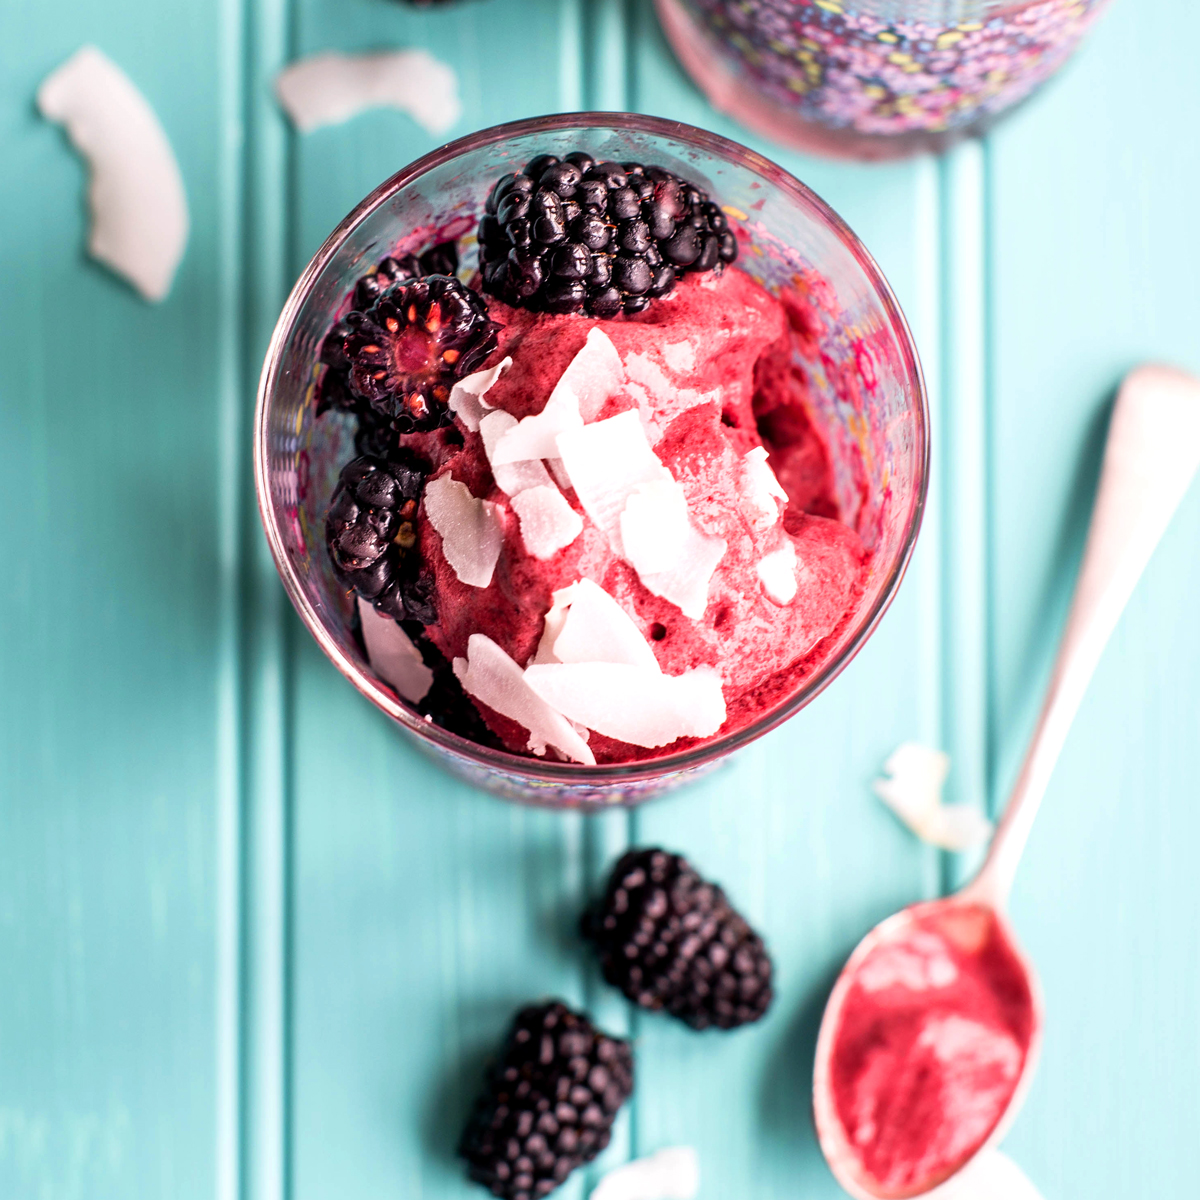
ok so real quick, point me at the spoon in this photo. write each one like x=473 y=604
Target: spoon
x=1150 y=457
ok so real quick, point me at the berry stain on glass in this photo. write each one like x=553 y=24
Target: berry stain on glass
x=872 y=78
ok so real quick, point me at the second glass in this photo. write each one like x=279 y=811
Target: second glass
x=872 y=78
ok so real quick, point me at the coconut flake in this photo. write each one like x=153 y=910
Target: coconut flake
x=488 y=674
x=511 y=478
x=593 y=375
x=139 y=224
x=392 y=655
x=548 y=522
x=556 y=618
x=761 y=492
x=467 y=395
x=991 y=1175
x=777 y=572
x=330 y=88
x=632 y=704
x=670 y=1174
x=671 y=556
x=605 y=461
x=597 y=629
x=914 y=794
x=472 y=530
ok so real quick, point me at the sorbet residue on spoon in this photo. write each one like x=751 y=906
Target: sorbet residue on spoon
x=930 y=1046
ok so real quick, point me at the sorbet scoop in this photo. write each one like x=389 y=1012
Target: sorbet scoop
x=917 y=965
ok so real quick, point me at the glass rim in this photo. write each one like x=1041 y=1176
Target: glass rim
x=582 y=774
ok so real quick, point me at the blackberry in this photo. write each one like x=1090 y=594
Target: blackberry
x=669 y=940
x=574 y=234
x=408 y=348
x=548 y=1103
x=335 y=391
x=371 y=535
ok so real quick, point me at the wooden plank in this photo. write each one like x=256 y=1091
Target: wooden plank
x=790 y=827
x=117 y=714
x=1094 y=268
x=425 y=913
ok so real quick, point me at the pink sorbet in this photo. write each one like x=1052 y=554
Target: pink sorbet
x=713 y=370
x=931 y=1042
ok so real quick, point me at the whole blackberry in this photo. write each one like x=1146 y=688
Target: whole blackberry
x=573 y=234
x=371 y=534
x=548 y=1102
x=671 y=941
x=335 y=392
x=408 y=348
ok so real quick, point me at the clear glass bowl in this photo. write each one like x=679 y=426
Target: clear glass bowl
x=876 y=421
x=872 y=78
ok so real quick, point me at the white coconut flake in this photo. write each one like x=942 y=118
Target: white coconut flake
x=472 y=530
x=555 y=619
x=777 y=572
x=488 y=674
x=392 y=655
x=914 y=794
x=593 y=375
x=670 y=1174
x=515 y=477
x=671 y=556
x=762 y=497
x=632 y=704
x=992 y=1175
x=330 y=88
x=139 y=223
x=598 y=629
x=548 y=522
x=605 y=461
x=467 y=395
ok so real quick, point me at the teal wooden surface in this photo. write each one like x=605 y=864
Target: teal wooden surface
x=255 y=947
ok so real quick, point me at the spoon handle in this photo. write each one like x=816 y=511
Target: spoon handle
x=1152 y=452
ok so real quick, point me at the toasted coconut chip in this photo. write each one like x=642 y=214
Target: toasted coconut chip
x=556 y=618
x=488 y=674
x=671 y=556
x=637 y=705
x=516 y=477
x=914 y=794
x=472 y=530
x=392 y=655
x=548 y=522
x=992 y=1175
x=777 y=572
x=138 y=204
x=597 y=629
x=593 y=375
x=467 y=395
x=330 y=88
x=605 y=462
x=670 y=1174
x=762 y=496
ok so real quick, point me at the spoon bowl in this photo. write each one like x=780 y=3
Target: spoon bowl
x=959 y=912
x=1151 y=454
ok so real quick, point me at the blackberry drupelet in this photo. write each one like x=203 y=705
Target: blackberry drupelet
x=575 y=235
x=406 y=351
x=371 y=535
x=669 y=940
x=548 y=1103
